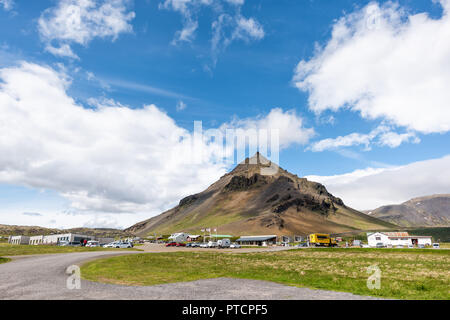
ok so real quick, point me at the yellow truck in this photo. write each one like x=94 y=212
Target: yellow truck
x=321 y=240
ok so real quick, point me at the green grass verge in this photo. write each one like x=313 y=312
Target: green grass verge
x=406 y=274
x=4 y=260
x=18 y=250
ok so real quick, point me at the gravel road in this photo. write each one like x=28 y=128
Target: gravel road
x=44 y=277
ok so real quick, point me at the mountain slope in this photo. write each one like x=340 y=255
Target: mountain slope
x=246 y=202
x=428 y=211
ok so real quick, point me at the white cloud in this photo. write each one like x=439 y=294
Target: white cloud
x=227 y=28
x=63 y=51
x=248 y=29
x=236 y=2
x=342 y=141
x=187 y=9
x=80 y=21
x=382 y=136
x=289 y=125
x=110 y=159
x=393 y=139
x=228 y=23
x=385 y=64
x=187 y=33
x=372 y=188
x=32 y=214
x=7 y=4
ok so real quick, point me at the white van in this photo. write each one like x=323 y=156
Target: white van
x=224 y=243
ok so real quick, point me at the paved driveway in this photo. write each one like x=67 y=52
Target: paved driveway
x=44 y=277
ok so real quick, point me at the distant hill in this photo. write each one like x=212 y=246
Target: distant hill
x=428 y=211
x=7 y=230
x=246 y=202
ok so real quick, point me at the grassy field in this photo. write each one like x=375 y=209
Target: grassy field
x=17 y=250
x=406 y=274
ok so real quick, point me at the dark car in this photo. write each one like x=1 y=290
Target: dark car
x=181 y=244
x=171 y=244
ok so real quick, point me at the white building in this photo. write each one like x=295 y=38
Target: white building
x=393 y=239
x=179 y=237
x=70 y=237
x=18 y=240
x=36 y=240
x=257 y=240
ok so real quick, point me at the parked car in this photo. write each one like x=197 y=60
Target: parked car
x=436 y=246
x=365 y=246
x=235 y=246
x=181 y=244
x=171 y=244
x=212 y=244
x=399 y=246
x=93 y=244
x=125 y=245
x=204 y=245
x=302 y=245
x=119 y=244
x=110 y=245
x=410 y=246
x=195 y=244
x=421 y=246
x=379 y=245
x=66 y=243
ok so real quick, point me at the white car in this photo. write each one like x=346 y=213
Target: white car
x=124 y=245
x=93 y=244
x=110 y=245
x=119 y=244
x=410 y=246
x=204 y=245
x=235 y=246
x=436 y=246
x=365 y=246
x=212 y=244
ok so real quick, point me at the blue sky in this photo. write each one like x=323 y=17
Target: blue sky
x=139 y=59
